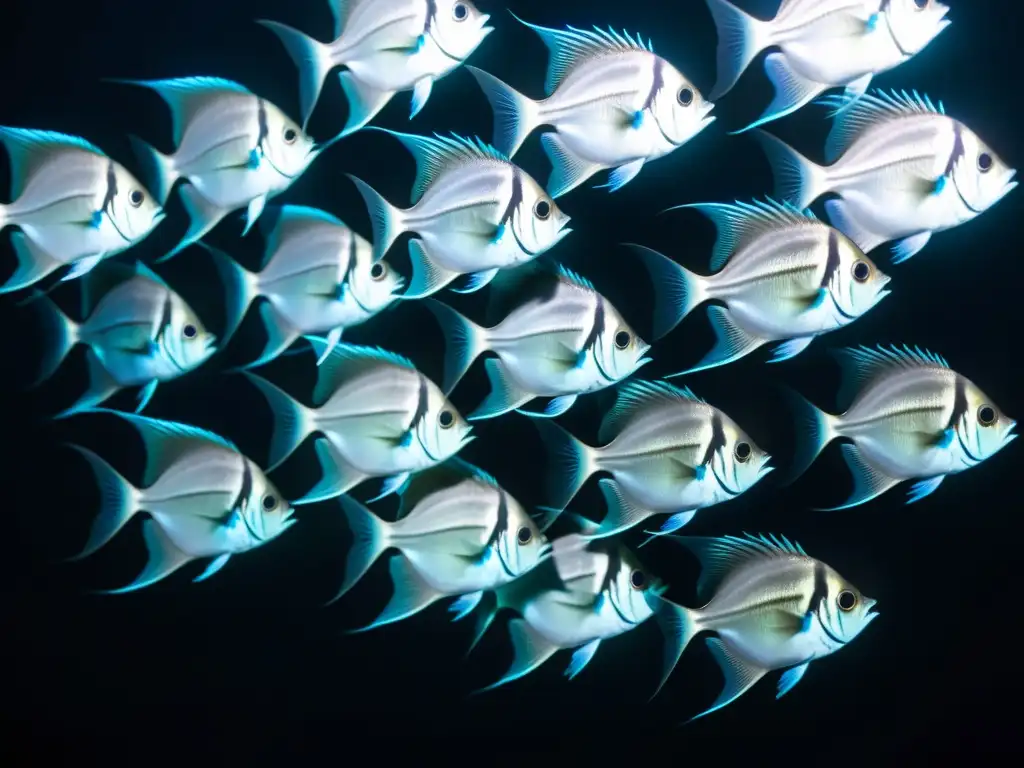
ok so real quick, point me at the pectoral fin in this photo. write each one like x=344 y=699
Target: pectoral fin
x=790 y=349
x=213 y=567
x=420 y=94
x=555 y=407
x=581 y=658
x=909 y=246
x=671 y=525
x=622 y=175
x=82 y=267
x=790 y=678
x=924 y=488
x=465 y=605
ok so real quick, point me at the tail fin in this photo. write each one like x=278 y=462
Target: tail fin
x=292 y=422
x=239 y=290
x=740 y=38
x=797 y=179
x=677 y=290
x=33 y=264
x=515 y=115
x=678 y=624
x=386 y=218
x=815 y=430
x=158 y=170
x=464 y=342
x=369 y=540
x=59 y=332
x=117 y=503
x=572 y=462
x=313 y=59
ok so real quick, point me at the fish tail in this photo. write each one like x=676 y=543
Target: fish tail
x=385 y=218
x=677 y=290
x=740 y=38
x=292 y=422
x=313 y=59
x=679 y=625
x=239 y=290
x=797 y=180
x=573 y=462
x=158 y=171
x=815 y=430
x=59 y=331
x=464 y=341
x=118 y=502
x=515 y=115
x=33 y=263
x=369 y=540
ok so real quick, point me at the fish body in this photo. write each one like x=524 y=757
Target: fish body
x=668 y=452
x=771 y=607
x=204 y=499
x=564 y=340
x=781 y=274
x=380 y=417
x=901 y=167
x=73 y=205
x=473 y=213
x=318 y=277
x=822 y=45
x=910 y=417
x=613 y=103
x=235 y=149
x=386 y=47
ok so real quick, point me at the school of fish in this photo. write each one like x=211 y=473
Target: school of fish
x=899 y=170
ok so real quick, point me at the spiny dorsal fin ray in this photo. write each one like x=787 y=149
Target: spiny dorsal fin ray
x=346 y=361
x=637 y=396
x=29 y=148
x=861 y=365
x=437 y=478
x=855 y=115
x=573 y=277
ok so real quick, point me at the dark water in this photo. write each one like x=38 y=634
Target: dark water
x=250 y=664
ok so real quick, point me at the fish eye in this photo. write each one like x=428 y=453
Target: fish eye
x=622 y=339
x=846 y=600
x=189 y=331
x=685 y=96
x=525 y=535
x=861 y=271
x=742 y=452
x=377 y=271
x=986 y=415
x=136 y=197
x=446 y=419
x=638 y=579
x=542 y=209
x=269 y=502
x=290 y=135
x=921 y=4
x=984 y=162
x=460 y=12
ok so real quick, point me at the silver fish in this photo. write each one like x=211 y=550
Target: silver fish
x=473 y=212
x=822 y=44
x=204 y=499
x=236 y=150
x=771 y=605
x=379 y=417
x=318 y=277
x=612 y=101
x=564 y=341
x=780 y=272
x=138 y=330
x=464 y=535
x=73 y=205
x=386 y=47
x=910 y=417
x=668 y=452
x=902 y=170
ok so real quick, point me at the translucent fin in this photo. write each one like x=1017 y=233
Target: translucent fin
x=117 y=503
x=797 y=180
x=411 y=594
x=33 y=264
x=164 y=559
x=369 y=540
x=364 y=102
x=505 y=394
x=869 y=482
x=732 y=342
x=622 y=513
x=428 y=277
x=530 y=650
x=740 y=675
x=792 y=90
x=203 y=216
x=515 y=115
x=29 y=149
x=337 y=475
x=581 y=657
x=790 y=678
x=635 y=397
x=385 y=218
x=568 y=170
x=312 y=58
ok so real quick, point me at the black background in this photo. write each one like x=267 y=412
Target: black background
x=248 y=664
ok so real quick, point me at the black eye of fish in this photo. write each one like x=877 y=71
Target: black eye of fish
x=269 y=503
x=460 y=12
x=446 y=419
x=984 y=162
x=846 y=600
x=290 y=135
x=136 y=197
x=189 y=331
x=637 y=580
x=861 y=271
x=377 y=271
x=986 y=415
x=622 y=339
x=742 y=452
x=542 y=209
x=685 y=96
x=921 y=4
x=525 y=535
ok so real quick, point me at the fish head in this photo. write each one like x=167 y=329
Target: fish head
x=981 y=177
x=458 y=27
x=374 y=285
x=679 y=108
x=522 y=544
x=844 y=612
x=632 y=589
x=266 y=512
x=443 y=431
x=915 y=23
x=740 y=463
x=538 y=222
x=187 y=344
x=858 y=284
x=984 y=429
x=620 y=350
x=132 y=209
x=288 y=148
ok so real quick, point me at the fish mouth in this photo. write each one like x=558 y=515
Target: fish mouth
x=706 y=120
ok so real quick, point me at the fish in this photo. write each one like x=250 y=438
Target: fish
x=910 y=417
x=72 y=204
x=377 y=415
x=386 y=47
x=234 y=148
x=667 y=451
x=464 y=536
x=473 y=212
x=586 y=592
x=902 y=170
x=318 y=277
x=772 y=607
x=204 y=498
x=138 y=330
x=822 y=44
x=781 y=274
x=613 y=102
x=563 y=341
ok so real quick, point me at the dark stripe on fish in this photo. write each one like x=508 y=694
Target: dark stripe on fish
x=500 y=527
x=958 y=148
x=350 y=269
x=595 y=332
x=514 y=201
x=108 y=198
x=419 y=414
x=832 y=262
x=430 y=17
x=959 y=403
x=820 y=592
x=657 y=83
x=261 y=120
x=717 y=441
x=238 y=506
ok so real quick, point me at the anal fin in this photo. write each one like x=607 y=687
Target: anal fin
x=840 y=216
x=530 y=649
x=869 y=482
x=337 y=475
x=790 y=678
x=364 y=101
x=505 y=395
x=732 y=342
x=411 y=594
x=428 y=277
x=740 y=675
x=164 y=559
x=792 y=90
x=622 y=512
x=567 y=170
x=581 y=657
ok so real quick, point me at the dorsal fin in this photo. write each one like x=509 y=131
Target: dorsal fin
x=444 y=475
x=346 y=361
x=855 y=115
x=342 y=11
x=570 y=47
x=100 y=281
x=739 y=224
x=720 y=556
x=280 y=223
x=28 y=149
x=141 y=270
x=861 y=365
x=637 y=396
x=568 y=275
x=434 y=155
